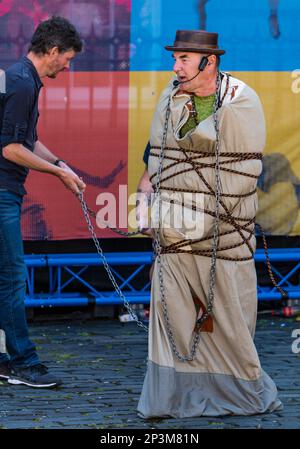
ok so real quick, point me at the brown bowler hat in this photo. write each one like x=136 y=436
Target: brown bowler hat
x=197 y=41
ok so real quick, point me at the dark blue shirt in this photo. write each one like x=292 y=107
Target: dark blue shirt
x=18 y=119
x=147 y=154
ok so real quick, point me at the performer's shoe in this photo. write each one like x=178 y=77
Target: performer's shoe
x=35 y=376
x=5 y=370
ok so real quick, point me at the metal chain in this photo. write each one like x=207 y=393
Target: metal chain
x=157 y=244
x=284 y=294
x=157 y=247
x=105 y=264
x=117 y=230
x=215 y=244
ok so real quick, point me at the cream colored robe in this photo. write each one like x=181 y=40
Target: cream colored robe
x=226 y=376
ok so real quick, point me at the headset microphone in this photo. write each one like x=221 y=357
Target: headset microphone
x=201 y=67
x=203 y=63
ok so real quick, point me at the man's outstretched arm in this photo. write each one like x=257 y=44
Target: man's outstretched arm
x=17 y=153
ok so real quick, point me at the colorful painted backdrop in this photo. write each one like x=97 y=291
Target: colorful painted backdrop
x=98 y=116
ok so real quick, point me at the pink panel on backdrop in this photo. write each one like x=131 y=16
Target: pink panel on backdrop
x=84 y=120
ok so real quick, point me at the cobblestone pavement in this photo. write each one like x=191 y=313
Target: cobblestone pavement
x=103 y=363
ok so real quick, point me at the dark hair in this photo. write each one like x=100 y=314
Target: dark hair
x=55 y=32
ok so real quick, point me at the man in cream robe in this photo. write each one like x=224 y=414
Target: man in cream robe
x=225 y=375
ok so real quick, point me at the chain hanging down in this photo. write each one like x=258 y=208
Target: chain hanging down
x=157 y=244
x=87 y=213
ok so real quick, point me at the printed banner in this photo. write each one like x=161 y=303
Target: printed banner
x=97 y=116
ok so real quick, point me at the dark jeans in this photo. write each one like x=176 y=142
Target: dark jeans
x=21 y=351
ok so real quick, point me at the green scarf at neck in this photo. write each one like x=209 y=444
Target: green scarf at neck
x=204 y=107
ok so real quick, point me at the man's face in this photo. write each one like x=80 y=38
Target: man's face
x=58 y=62
x=186 y=67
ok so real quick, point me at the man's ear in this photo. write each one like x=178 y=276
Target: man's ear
x=212 y=59
x=53 y=51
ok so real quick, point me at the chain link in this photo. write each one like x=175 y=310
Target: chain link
x=157 y=243
x=105 y=264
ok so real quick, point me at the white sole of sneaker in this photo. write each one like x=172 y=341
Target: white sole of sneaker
x=4 y=377
x=23 y=382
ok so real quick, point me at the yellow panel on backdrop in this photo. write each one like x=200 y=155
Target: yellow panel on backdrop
x=281 y=108
x=278 y=204
x=282 y=111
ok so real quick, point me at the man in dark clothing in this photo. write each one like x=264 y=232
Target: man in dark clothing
x=53 y=45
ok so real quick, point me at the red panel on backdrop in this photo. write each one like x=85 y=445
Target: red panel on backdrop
x=84 y=120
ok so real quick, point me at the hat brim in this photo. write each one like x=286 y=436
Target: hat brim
x=196 y=50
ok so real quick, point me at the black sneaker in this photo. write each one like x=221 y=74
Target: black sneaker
x=36 y=376
x=5 y=370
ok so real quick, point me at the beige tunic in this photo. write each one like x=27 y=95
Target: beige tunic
x=225 y=376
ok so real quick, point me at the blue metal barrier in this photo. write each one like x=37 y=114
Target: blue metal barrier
x=74 y=266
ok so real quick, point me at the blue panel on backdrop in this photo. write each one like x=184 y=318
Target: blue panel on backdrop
x=258 y=35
